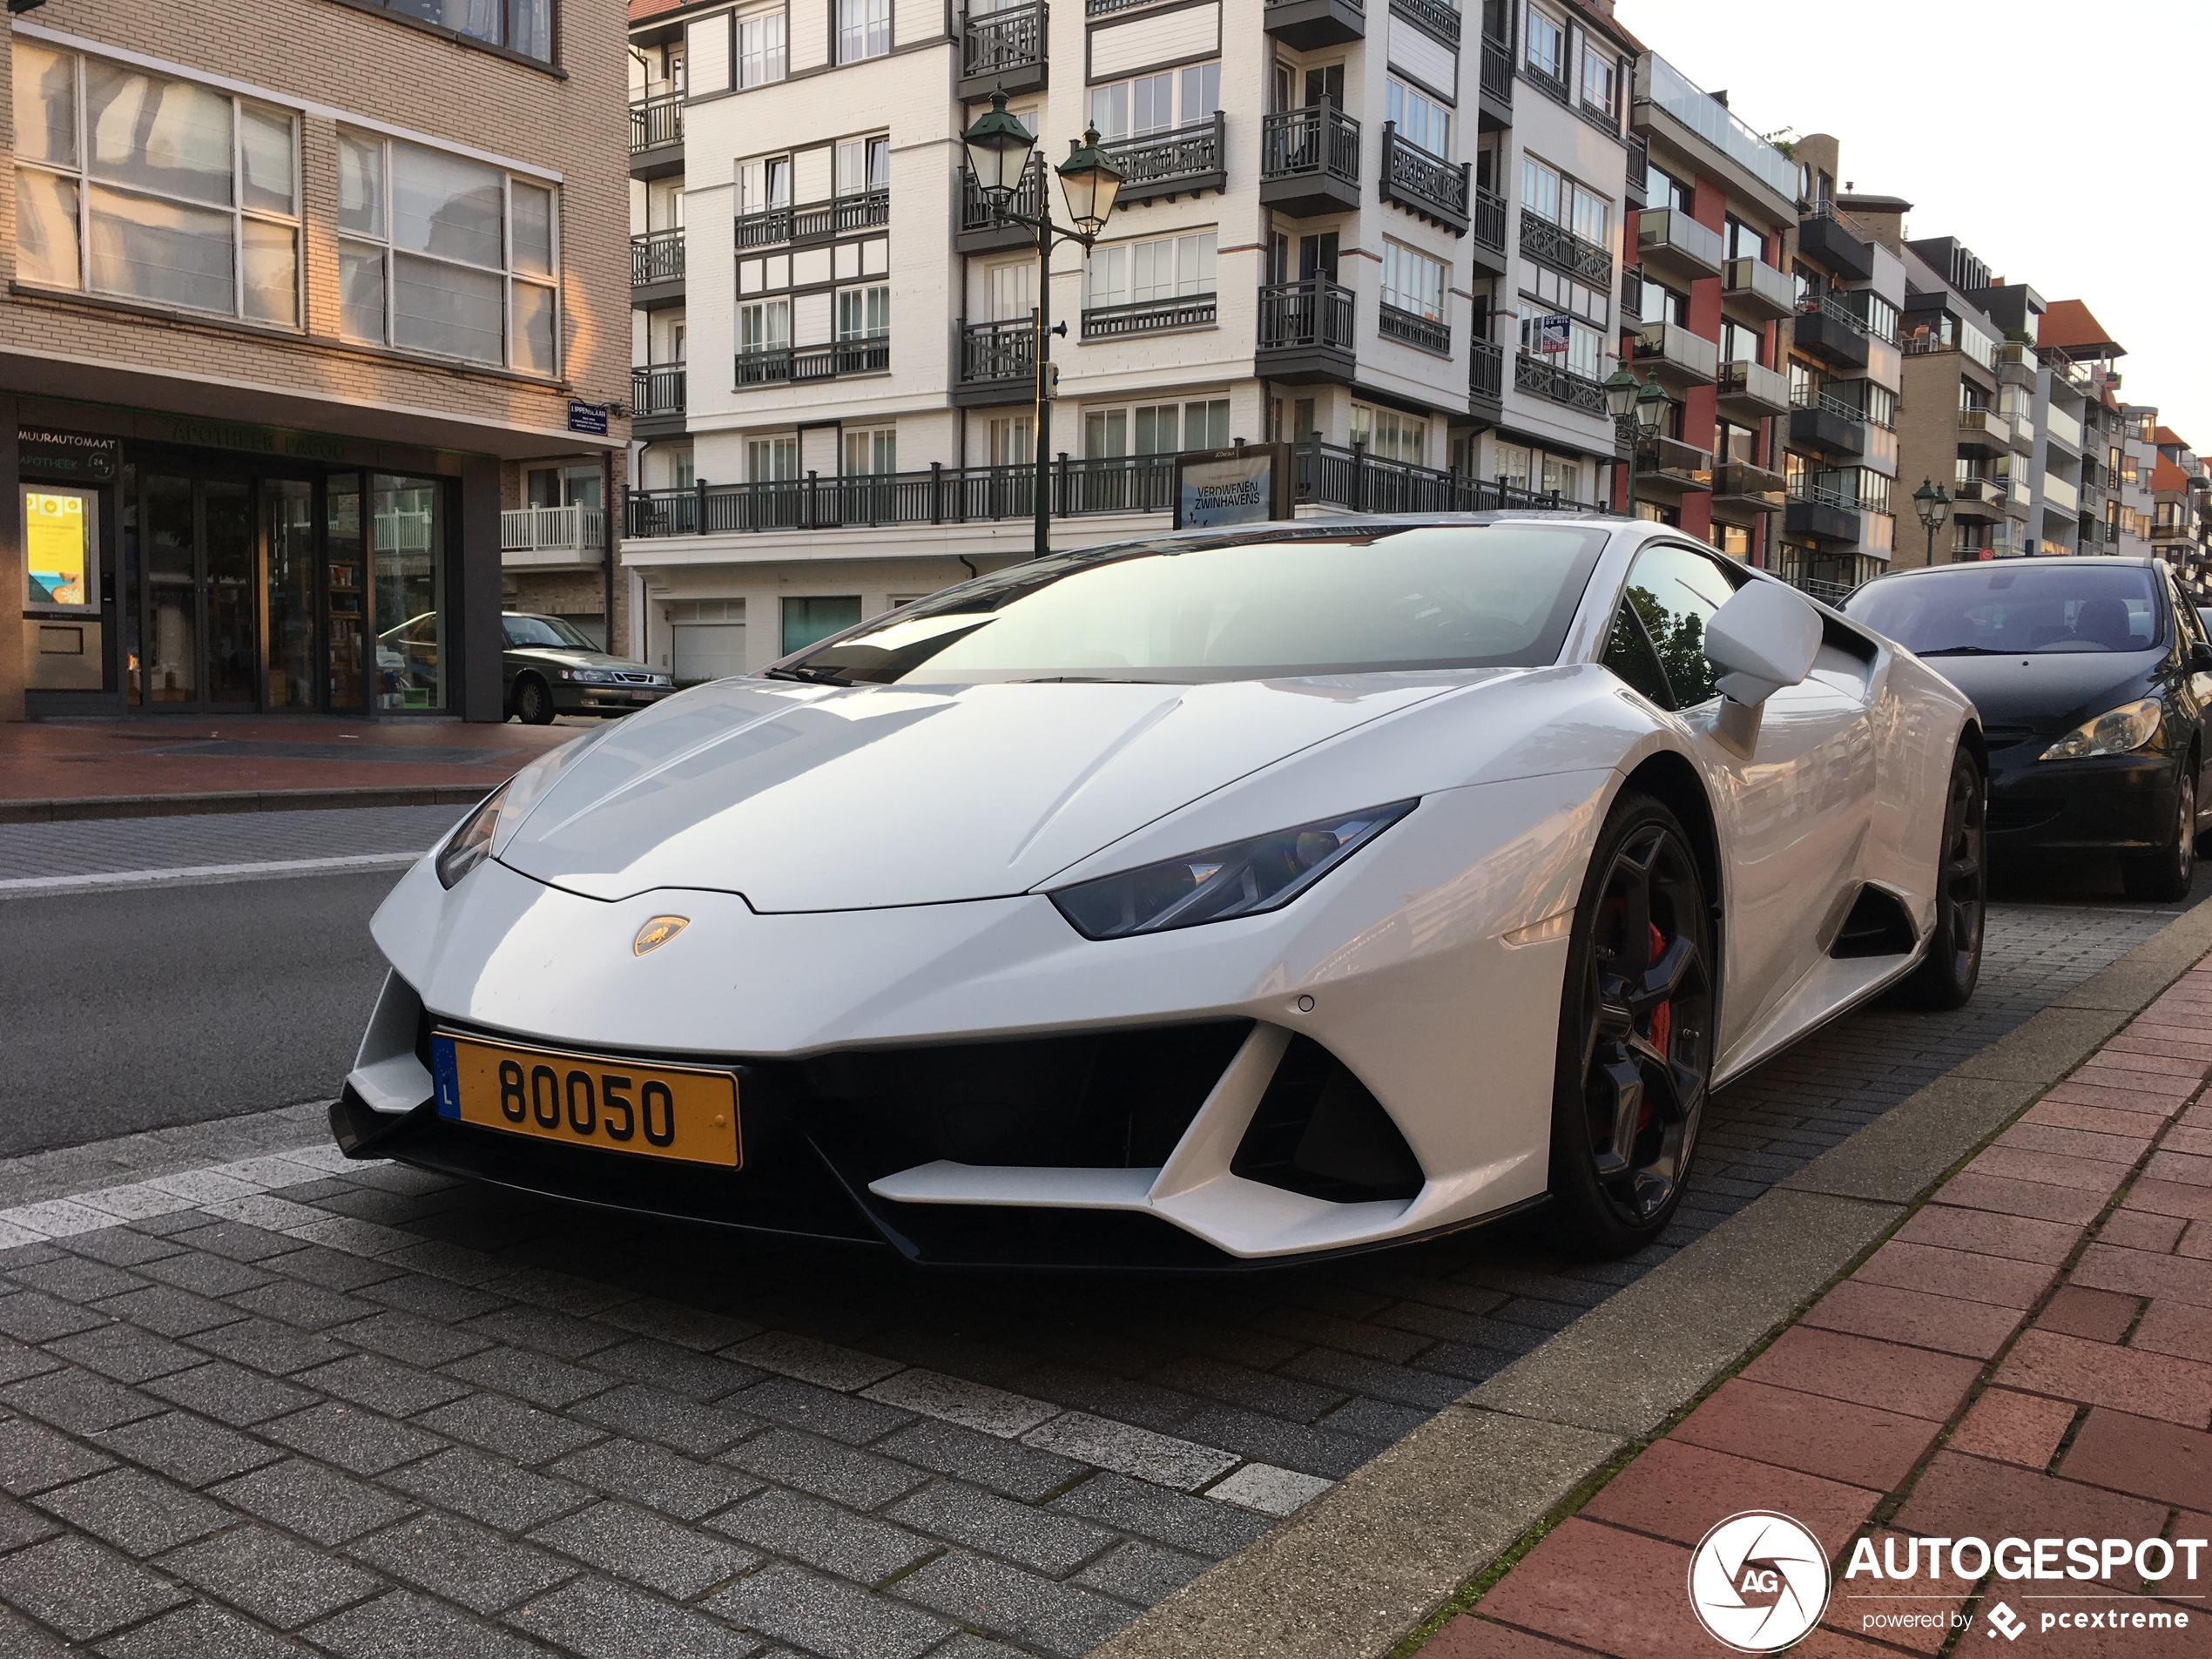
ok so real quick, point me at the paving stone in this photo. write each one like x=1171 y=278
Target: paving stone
x=404 y=1625
x=78 y=1400
x=278 y=1580
x=497 y=1493
x=821 y=1411
x=1912 y=1380
x=415 y=1341
x=637 y=1547
x=2177 y=1328
x=481 y=1570
x=2098 y=1316
x=205 y=1274
x=1841 y=1440
x=823 y=1363
x=33 y=1316
x=81 y=1589
x=798 y=1527
x=124 y=1352
x=508 y=1428
x=986 y=1595
x=696 y=1376
x=384 y=1385
x=657 y=1477
x=140 y=1514
x=120 y=1246
x=334 y=1270
x=1198 y=1524
x=169 y=1311
x=558 y=1334
x=1956 y=1495
x=597 y=1620
x=229 y=1394
x=1163 y=1459
x=1322 y=1451
x=317 y=1503
x=1141 y=1572
x=2013 y=1428
x=2097 y=1373
x=858 y=1479
x=17 y=1361
x=237 y=1240
x=266 y=1346
x=1053 y=1544
x=73 y=1278
x=1583 y=1582
x=537 y=1378
x=21 y=1524
x=1268 y=1490
x=956 y=1399
x=645 y=1414
x=1943 y=1323
x=827 y=1615
x=1670 y=1491
x=2139 y=1455
x=356 y=1439
x=310 y=1307
x=1006 y=1467
x=197 y=1632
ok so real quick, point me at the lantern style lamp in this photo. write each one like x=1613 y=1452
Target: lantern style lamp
x=1933 y=505
x=998 y=151
x=1090 y=180
x=1651 y=408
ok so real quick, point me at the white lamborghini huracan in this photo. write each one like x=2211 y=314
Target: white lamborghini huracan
x=1221 y=897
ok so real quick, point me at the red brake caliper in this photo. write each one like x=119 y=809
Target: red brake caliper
x=1663 y=1024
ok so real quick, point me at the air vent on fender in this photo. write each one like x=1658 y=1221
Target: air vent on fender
x=1319 y=1130
x=1877 y=926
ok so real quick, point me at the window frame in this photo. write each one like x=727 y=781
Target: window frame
x=1405 y=93
x=1127 y=250
x=778 y=52
x=1396 y=256
x=864 y=29
x=1178 y=79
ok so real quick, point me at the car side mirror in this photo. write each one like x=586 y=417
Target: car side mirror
x=1765 y=637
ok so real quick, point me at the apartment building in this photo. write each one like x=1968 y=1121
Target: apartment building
x=2052 y=396
x=299 y=294
x=1342 y=232
x=1845 y=374
x=1705 y=311
x=2179 y=482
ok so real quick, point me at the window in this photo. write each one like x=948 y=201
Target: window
x=1662 y=190
x=1550 y=194
x=763 y=47
x=1675 y=591
x=440 y=254
x=863 y=165
x=1422 y=122
x=863 y=30
x=524 y=26
x=808 y=620
x=1628 y=654
x=864 y=314
x=564 y=486
x=871 y=451
x=1546 y=44
x=1158 y=102
x=1740 y=241
x=1157 y=428
x=764 y=325
x=1389 y=436
x=1011 y=443
x=681 y=470
x=1734 y=443
x=769 y=460
x=1599 y=75
x=1134 y=272
x=1412 y=281
x=1586 y=344
x=764 y=185
x=165 y=191
x=1740 y=344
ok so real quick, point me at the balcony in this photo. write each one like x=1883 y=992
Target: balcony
x=769 y=227
x=1751 y=392
x=2060 y=496
x=1437 y=18
x=1984 y=429
x=983 y=228
x=1823 y=238
x=1666 y=87
x=656 y=401
x=1815 y=513
x=1559 y=248
x=657 y=136
x=1681 y=359
x=1829 y=427
x=1410 y=328
x=1662 y=460
x=1497 y=84
x=1309 y=161
x=2062 y=429
x=1487 y=227
x=1540 y=378
x=1486 y=380
x=1671 y=243
x=549 y=537
x=1149 y=317
x=1978 y=501
x=657 y=269
x=1305 y=332
x=1161 y=167
x=1746 y=490
x=2016 y=364
x=1306 y=25
x=1631 y=294
x=1827 y=330
x=1425 y=186
x=1753 y=291
x=1639 y=172
x=803 y=365
x=1002 y=51
x=998 y=363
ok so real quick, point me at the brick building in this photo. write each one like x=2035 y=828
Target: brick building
x=307 y=303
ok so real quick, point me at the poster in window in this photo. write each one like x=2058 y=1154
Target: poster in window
x=1248 y=484
x=60 y=549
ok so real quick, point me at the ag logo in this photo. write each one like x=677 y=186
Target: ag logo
x=656 y=932
x=1758 y=1581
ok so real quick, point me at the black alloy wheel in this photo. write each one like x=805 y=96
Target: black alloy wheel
x=2168 y=874
x=1636 y=1033
x=533 y=702
x=1948 y=975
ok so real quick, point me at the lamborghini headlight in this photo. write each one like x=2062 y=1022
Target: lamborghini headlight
x=1243 y=879
x=470 y=843
x=2116 y=732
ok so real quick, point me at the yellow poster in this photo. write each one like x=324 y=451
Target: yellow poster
x=55 y=548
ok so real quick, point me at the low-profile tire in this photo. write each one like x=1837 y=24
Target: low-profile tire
x=1948 y=975
x=533 y=701
x=2168 y=874
x=1636 y=1033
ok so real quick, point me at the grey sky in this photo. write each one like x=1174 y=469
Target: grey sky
x=2061 y=142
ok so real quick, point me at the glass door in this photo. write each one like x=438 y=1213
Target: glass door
x=347 y=592
x=172 y=640
x=233 y=642
x=288 y=522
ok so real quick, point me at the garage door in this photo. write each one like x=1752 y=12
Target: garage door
x=707 y=639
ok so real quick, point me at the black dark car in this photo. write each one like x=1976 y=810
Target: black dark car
x=549 y=668
x=2093 y=678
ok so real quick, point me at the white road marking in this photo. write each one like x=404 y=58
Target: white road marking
x=38 y=883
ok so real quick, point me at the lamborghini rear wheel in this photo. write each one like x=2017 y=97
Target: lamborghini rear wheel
x=1635 y=1033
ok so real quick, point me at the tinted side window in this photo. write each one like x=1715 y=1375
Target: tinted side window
x=1676 y=590
x=1627 y=653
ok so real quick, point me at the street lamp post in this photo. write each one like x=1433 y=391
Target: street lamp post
x=1933 y=505
x=999 y=153
x=1645 y=404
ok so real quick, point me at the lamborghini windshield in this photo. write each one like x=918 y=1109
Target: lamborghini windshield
x=1256 y=606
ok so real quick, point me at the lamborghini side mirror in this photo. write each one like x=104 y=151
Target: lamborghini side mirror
x=1764 y=638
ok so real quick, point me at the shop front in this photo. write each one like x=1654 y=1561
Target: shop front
x=187 y=567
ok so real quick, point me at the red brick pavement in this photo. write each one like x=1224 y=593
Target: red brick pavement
x=2024 y=1358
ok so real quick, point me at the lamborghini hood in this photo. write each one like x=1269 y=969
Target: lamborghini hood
x=820 y=798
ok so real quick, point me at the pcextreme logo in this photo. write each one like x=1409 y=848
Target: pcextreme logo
x=1758 y=1581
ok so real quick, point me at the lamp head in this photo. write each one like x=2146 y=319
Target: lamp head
x=1651 y=407
x=1090 y=180
x=998 y=151
x=1621 y=394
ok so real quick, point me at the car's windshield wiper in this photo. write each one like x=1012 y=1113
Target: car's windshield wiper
x=1962 y=650
x=809 y=676
x=1082 y=679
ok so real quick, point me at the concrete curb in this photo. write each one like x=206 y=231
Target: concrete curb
x=243 y=800
x=1366 y=1564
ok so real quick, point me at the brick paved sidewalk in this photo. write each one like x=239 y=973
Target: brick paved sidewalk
x=2029 y=1355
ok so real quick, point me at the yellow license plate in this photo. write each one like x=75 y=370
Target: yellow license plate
x=588 y=1100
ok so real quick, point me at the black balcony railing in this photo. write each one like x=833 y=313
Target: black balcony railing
x=1559 y=248
x=977 y=213
x=1543 y=80
x=1632 y=293
x=1317 y=140
x=1339 y=477
x=1431 y=334
x=1148 y=316
x=778 y=365
x=1000 y=42
x=1488 y=222
x=1639 y=170
x=818 y=221
x=1437 y=17
x=656 y=121
x=1487 y=370
x=1313 y=314
x=998 y=351
x=658 y=256
x=1424 y=183
x=1544 y=378
x=766 y=228
x=1497 y=70
x=657 y=390
x=1166 y=163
